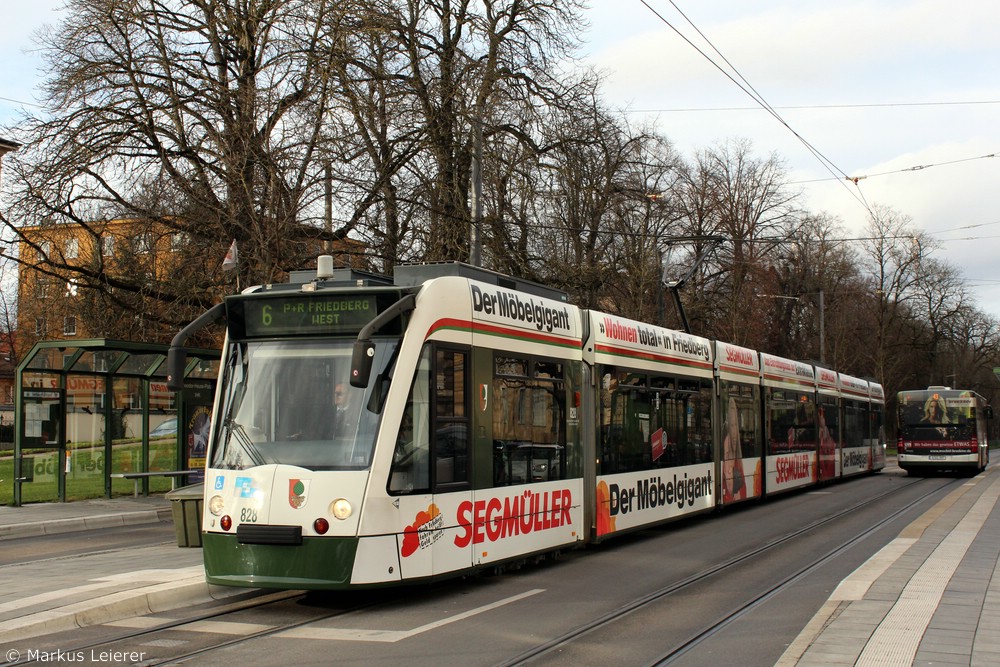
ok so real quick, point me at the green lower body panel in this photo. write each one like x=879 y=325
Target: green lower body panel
x=316 y=564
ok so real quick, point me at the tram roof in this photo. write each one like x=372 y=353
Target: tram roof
x=414 y=275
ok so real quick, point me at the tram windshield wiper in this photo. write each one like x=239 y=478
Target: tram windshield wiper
x=236 y=431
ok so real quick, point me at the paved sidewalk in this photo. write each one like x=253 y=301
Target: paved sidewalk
x=930 y=597
x=49 y=518
x=63 y=593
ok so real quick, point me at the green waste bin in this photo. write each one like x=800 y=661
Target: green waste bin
x=186 y=507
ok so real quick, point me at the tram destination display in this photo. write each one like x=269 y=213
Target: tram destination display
x=305 y=314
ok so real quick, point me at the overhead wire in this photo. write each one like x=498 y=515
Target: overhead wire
x=871 y=105
x=21 y=102
x=955 y=229
x=919 y=167
x=748 y=88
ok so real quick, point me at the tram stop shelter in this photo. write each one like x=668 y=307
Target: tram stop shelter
x=94 y=418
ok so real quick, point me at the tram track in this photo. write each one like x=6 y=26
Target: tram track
x=159 y=635
x=677 y=650
x=147 y=636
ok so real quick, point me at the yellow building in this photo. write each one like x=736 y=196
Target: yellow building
x=56 y=301
x=7 y=358
x=68 y=272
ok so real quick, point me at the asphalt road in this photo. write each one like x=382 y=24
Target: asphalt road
x=497 y=620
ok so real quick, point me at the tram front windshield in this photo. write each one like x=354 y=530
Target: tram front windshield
x=291 y=402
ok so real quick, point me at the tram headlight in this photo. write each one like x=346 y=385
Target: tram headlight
x=341 y=508
x=216 y=504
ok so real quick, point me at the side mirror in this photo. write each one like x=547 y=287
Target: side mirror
x=176 y=362
x=177 y=355
x=362 y=357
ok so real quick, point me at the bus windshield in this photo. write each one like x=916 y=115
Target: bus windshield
x=937 y=415
x=291 y=402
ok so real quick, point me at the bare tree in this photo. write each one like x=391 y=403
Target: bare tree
x=216 y=107
x=465 y=70
x=816 y=282
x=604 y=192
x=746 y=201
x=892 y=255
x=973 y=353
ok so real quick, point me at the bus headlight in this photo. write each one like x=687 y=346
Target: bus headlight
x=341 y=508
x=215 y=505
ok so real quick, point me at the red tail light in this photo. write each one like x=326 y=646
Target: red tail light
x=321 y=525
x=900 y=445
x=226 y=522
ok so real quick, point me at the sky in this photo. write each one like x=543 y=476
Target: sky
x=902 y=94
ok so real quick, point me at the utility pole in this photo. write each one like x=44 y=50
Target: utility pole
x=822 y=329
x=328 y=202
x=475 y=236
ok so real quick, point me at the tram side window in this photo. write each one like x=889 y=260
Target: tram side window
x=876 y=428
x=741 y=424
x=694 y=400
x=625 y=422
x=529 y=407
x=653 y=422
x=791 y=425
x=828 y=421
x=411 y=458
x=855 y=418
x=451 y=420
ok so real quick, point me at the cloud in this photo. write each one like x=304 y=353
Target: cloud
x=846 y=62
x=801 y=48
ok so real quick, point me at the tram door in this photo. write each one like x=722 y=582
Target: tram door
x=828 y=440
x=431 y=470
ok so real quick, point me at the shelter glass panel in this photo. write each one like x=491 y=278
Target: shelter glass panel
x=206 y=369
x=140 y=364
x=48 y=359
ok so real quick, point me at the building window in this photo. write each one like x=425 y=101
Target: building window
x=69 y=325
x=44 y=249
x=42 y=287
x=72 y=248
x=107 y=246
x=40 y=326
x=177 y=241
x=144 y=243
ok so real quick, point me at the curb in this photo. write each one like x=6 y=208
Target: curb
x=79 y=524
x=151 y=599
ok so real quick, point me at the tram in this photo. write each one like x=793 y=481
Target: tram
x=940 y=428
x=370 y=431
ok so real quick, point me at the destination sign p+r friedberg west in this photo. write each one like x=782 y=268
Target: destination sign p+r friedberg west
x=308 y=314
